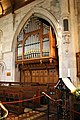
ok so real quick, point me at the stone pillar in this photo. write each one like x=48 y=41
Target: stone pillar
x=74 y=42
x=59 y=45
x=69 y=41
x=65 y=40
x=1 y=33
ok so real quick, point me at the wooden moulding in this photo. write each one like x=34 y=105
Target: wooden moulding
x=78 y=63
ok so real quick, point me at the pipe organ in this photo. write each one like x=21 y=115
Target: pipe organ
x=36 y=45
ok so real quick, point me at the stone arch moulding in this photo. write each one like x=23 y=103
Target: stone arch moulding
x=2 y=63
x=39 y=12
x=1 y=34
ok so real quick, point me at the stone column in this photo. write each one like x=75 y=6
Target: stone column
x=74 y=42
x=65 y=40
x=69 y=41
x=59 y=45
x=1 y=33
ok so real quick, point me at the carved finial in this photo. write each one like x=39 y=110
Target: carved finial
x=41 y=61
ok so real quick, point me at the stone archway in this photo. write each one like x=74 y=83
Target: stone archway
x=41 y=13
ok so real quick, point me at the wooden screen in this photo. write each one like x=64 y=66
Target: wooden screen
x=40 y=76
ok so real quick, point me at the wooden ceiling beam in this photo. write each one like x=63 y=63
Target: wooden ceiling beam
x=12 y=5
x=23 y=3
x=1 y=7
x=15 y=4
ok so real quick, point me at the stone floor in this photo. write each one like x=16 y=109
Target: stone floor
x=36 y=116
x=29 y=114
x=45 y=117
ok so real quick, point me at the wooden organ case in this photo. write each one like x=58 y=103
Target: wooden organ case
x=36 y=52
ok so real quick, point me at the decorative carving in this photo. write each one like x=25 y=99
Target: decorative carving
x=55 y=7
x=66 y=41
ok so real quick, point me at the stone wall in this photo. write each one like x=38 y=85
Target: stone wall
x=78 y=18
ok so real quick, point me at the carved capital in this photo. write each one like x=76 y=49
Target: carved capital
x=66 y=36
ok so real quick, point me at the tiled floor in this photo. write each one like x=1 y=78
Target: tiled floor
x=38 y=114
x=31 y=115
x=45 y=117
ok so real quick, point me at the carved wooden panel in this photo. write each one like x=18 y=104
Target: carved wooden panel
x=37 y=76
x=42 y=76
x=27 y=76
x=33 y=76
x=78 y=63
x=45 y=76
x=51 y=76
x=55 y=76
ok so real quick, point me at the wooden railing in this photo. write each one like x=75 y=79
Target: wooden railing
x=2 y=83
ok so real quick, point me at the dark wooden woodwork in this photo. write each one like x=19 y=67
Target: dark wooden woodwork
x=78 y=63
x=15 y=91
x=31 y=33
x=12 y=5
x=1 y=7
x=9 y=6
x=46 y=36
x=44 y=73
x=21 y=3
